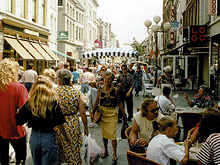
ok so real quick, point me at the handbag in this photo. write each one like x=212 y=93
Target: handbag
x=98 y=115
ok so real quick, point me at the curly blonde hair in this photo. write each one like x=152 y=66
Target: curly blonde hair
x=8 y=72
x=42 y=96
x=50 y=73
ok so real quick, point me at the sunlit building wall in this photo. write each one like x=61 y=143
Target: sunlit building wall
x=90 y=24
x=71 y=19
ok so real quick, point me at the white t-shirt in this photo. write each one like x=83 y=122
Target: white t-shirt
x=29 y=76
x=145 y=125
x=166 y=107
x=161 y=149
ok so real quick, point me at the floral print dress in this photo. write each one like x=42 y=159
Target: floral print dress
x=69 y=137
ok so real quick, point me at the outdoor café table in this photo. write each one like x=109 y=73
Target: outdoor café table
x=187 y=118
x=193 y=151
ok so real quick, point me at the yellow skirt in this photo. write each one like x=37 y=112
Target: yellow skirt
x=109 y=122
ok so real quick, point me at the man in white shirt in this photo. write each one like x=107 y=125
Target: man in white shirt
x=165 y=102
x=162 y=147
x=29 y=77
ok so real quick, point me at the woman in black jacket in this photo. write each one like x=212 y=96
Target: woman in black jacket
x=43 y=114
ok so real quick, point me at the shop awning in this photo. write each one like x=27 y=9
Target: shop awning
x=50 y=52
x=63 y=54
x=32 y=50
x=111 y=52
x=42 y=51
x=19 y=48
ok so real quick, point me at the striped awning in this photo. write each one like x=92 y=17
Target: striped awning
x=111 y=52
x=19 y=48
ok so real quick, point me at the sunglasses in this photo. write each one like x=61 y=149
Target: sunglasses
x=155 y=110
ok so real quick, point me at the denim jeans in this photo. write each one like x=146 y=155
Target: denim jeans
x=44 y=149
x=84 y=88
x=28 y=86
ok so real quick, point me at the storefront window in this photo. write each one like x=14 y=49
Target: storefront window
x=180 y=68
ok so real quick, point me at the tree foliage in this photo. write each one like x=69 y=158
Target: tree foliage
x=139 y=47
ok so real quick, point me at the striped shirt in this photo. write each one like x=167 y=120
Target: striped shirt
x=210 y=151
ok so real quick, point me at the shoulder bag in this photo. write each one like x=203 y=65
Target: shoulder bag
x=98 y=113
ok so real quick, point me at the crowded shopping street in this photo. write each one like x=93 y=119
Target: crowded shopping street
x=109 y=82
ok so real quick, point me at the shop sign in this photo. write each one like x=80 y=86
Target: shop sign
x=172 y=37
x=63 y=35
x=212 y=7
x=31 y=32
x=198 y=34
x=98 y=44
x=173 y=14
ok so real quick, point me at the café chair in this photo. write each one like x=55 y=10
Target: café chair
x=137 y=159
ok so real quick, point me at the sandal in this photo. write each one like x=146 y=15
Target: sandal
x=105 y=155
x=114 y=162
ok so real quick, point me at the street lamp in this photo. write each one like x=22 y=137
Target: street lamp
x=156 y=28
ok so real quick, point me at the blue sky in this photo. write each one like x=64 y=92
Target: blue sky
x=128 y=16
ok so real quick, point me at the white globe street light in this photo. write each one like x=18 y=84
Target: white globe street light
x=167 y=26
x=148 y=23
x=155 y=28
x=156 y=19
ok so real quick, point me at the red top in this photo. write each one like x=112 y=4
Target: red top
x=11 y=99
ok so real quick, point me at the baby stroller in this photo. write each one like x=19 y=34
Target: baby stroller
x=148 y=87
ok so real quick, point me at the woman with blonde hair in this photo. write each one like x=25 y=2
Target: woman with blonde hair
x=50 y=73
x=13 y=95
x=43 y=114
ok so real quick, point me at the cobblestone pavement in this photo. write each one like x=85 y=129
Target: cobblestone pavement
x=122 y=143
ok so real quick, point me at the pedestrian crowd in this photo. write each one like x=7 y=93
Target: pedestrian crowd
x=51 y=103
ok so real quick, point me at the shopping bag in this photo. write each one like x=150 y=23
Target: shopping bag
x=123 y=128
x=93 y=150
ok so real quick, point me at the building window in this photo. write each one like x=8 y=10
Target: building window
x=77 y=33
x=20 y=8
x=69 y=29
x=77 y=15
x=55 y=25
x=8 y=6
x=33 y=12
x=42 y=12
x=73 y=33
x=60 y=2
x=67 y=7
x=71 y=11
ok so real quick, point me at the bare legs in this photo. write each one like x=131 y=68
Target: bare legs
x=114 y=147
x=105 y=142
